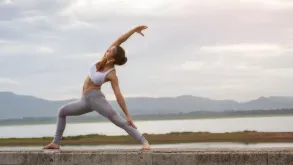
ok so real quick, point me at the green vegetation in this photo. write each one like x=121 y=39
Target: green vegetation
x=173 y=137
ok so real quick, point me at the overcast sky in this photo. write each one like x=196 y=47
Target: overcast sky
x=220 y=49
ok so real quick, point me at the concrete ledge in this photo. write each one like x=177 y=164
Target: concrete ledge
x=263 y=156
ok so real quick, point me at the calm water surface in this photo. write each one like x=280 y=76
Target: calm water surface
x=267 y=124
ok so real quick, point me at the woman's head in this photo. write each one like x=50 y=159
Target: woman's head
x=117 y=55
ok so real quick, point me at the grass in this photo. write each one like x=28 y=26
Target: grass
x=170 y=138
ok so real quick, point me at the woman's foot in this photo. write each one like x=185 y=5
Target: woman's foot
x=52 y=146
x=146 y=146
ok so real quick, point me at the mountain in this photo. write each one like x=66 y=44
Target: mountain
x=17 y=106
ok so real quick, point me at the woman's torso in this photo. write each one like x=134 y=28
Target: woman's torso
x=95 y=79
x=89 y=85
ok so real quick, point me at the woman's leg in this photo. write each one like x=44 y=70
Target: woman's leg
x=74 y=108
x=103 y=107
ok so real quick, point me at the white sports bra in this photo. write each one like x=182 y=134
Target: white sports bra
x=98 y=77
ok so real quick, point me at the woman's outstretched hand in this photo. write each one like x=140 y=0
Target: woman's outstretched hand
x=130 y=122
x=138 y=29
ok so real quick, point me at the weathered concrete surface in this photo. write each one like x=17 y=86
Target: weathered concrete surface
x=263 y=156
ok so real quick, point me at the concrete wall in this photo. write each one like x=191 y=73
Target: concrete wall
x=278 y=156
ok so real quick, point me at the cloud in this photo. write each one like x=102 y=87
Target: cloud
x=44 y=49
x=192 y=65
x=2 y=42
x=93 y=56
x=8 y=84
x=9 y=81
x=100 y=9
x=17 y=49
x=248 y=49
x=271 y=4
x=219 y=49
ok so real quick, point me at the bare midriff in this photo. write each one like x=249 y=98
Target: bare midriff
x=89 y=85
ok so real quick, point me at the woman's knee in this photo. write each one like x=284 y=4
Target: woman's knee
x=62 y=111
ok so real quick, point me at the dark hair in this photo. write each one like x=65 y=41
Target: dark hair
x=120 y=58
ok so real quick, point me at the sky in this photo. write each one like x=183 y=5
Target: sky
x=219 y=49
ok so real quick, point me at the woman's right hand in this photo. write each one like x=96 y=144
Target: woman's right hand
x=130 y=122
x=138 y=29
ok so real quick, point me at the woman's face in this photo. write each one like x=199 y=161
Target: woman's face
x=111 y=52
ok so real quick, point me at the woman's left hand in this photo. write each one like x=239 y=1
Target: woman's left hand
x=138 y=29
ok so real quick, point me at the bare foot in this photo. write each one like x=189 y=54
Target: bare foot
x=146 y=146
x=52 y=146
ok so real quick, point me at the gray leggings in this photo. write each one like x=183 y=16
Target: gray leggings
x=93 y=101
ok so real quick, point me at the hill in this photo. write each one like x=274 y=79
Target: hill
x=17 y=106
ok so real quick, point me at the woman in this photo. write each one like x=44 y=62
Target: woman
x=94 y=100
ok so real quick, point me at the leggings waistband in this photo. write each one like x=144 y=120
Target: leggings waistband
x=94 y=92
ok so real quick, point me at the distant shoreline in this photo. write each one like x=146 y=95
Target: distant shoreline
x=149 y=118
x=170 y=138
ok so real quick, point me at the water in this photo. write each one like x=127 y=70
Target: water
x=266 y=124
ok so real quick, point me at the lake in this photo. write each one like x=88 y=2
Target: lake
x=266 y=124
